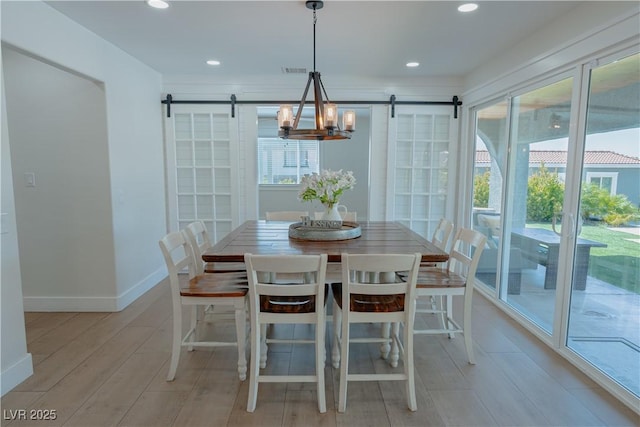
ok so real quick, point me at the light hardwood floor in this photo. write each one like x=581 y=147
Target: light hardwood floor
x=108 y=369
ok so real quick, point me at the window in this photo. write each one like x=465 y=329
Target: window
x=284 y=162
x=291 y=158
x=604 y=180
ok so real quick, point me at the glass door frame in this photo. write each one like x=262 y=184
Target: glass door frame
x=581 y=72
x=571 y=208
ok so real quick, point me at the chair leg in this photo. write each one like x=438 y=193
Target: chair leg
x=337 y=321
x=466 y=327
x=344 y=365
x=194 y=323
x=385 y=347
x=241 y=338
x=263 y=345
x=449 y=313
x=255 y=367
x=395 y=351
x=440 y=309
x=320 y=356
x=176 y=344
x=409 y=368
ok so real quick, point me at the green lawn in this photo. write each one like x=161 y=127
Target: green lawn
x=618 y=263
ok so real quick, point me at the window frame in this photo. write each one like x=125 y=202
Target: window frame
x=295 y=157
x=600 y=176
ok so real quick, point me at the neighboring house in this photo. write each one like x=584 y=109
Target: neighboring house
x=618 y=173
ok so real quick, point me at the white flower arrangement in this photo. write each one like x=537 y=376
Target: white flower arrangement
x=327 y=186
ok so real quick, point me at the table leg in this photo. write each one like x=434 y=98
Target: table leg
x=551 y=274
x=581 y=267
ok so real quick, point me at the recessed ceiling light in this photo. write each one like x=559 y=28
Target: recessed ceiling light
x=467 y=7
x=413 y=64
x=213 y=62
x=158 y=4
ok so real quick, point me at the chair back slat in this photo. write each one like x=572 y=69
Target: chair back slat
x=309 y=272
x=442 y=234
x=466 y=251
x=198 y=237
x=178 y=254
x=384 y=266
x=285 y=215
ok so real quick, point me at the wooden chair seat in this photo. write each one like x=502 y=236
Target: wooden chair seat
x=290 y=303
x=370 y=303
x=438 y=278
x=215 y=285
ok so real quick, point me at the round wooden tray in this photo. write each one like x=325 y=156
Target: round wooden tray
x=349 y=230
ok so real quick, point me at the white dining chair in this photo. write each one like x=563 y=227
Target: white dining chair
x=442 y=233
x=197 y=291
x=198 y=237
x=456 y=279
x=350 y=216
x=386 y=300
x=297 y=297
x=440 y=238
x=285 y=215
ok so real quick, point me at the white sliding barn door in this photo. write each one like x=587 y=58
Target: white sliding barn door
x=421 y=162
x=202 y=168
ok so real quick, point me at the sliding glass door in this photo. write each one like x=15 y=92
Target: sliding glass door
x=604 y=315
x=557 y=191
x=516 y=156
x=535 y=189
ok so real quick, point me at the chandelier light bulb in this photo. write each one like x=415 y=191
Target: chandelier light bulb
x=349 y=120
x=330 y=116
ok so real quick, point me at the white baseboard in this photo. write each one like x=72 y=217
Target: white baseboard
x=84 y=304
x=143 y=286
x=16 y=373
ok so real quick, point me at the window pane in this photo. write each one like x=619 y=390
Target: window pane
x=286 y=161
x=604 y=318
x=536 y=197
x=490 y=167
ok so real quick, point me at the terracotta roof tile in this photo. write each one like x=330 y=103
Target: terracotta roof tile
x=590 y=158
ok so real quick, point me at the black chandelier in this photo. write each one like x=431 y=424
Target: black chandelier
x=326 y=113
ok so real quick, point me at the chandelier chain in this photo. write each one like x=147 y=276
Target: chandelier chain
x=315 y=19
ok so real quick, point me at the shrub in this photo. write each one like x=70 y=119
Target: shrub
x=544 y=195
x=481 y=190
x=598 y=203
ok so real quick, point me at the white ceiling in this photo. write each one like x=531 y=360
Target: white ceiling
x=371 y=38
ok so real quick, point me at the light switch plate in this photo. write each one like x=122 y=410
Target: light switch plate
x=30 y=179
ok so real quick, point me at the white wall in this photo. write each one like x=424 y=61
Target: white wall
x=586 y=30
x=133 y=156
x=15 y=362
x=58 y=132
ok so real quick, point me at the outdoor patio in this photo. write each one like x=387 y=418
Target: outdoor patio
x=604 y=323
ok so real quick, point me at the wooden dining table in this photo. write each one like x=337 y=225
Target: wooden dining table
x=377 y=237
x=272 y=238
